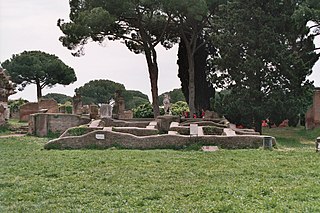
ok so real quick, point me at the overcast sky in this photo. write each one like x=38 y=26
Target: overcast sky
x=32 y=25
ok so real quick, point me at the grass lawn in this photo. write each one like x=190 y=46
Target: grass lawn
x=286 y=179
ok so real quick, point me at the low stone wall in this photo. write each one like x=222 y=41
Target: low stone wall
x=205 y=123
x=40 y=124
x=79 y=130
x=101 y=139
x=122 y=123
x=136 y=131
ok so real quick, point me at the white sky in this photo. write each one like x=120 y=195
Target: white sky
x=31 y=25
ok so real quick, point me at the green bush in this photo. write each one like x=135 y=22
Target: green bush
x=143 y=111
x=14 y=105
x=77 y=131
x=179 y=108
x=69 y=109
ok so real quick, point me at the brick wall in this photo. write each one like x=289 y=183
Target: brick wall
x=50 y=104
x=27 y=109
x=313 y=114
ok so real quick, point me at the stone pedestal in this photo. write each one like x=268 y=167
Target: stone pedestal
x=105 y=111
x=94 y=111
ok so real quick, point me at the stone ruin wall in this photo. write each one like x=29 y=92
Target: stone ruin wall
x=31 y=108
x=41 y=124
x=313 y=114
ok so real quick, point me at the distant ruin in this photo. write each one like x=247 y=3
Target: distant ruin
x=313 y=114
x=6 y=89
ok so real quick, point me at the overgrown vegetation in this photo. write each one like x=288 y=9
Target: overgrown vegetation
x=11 y=126
x=77 y=131
x=282 y=180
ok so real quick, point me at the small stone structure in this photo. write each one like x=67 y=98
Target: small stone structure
x=119 y=108
x=126 y=115
x=48 y=105
x=77 y=104
x=105 y=111
x=94 y=111
x=313 y=114
x=41 y=124
x=27 y=109
x=6 y=89
x=62 y=109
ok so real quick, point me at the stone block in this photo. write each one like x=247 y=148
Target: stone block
x=27 y=109
x=50 y=104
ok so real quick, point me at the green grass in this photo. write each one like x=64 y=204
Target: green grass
x=289 y=137
x=286 y=179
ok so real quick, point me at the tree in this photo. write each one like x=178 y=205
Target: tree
x=140 y=24
x=204 y=90
x=192 y=19
x=98 y=91
x=60 y=98
x=175 y=96
x=134 y=99
x=40 y=68
x=265 y=57
x=102 y=91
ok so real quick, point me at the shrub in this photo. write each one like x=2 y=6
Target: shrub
x=179 y=108
x=14 y=105
x=77 y=131
x=143 y=111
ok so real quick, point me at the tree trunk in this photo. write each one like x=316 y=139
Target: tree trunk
x=153 y=74
x=39 y=90
x=191 y=45
x=203 y=89
x=151 y=57
x=191 y=85
x=258 y=125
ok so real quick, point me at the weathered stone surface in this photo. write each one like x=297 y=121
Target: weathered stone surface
x=77 y=104
x=182 y=130
x=41 y=124
x=105 y=111
x=6 y=89
x=210 y=114
x=165 y=121
x=2 y=114
x=62 y=109
x=243 y=131
x=97 y=123
x=27 y=109
x=121 y=123
x=212 y=130
x=85 y=130
x=209 y=148
x=205 y=123
x=136 y=131
x=94 y=111
x=126 y=115
x=313 y=114
x=109 y=139
x=50 y=104
x=228 y=132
